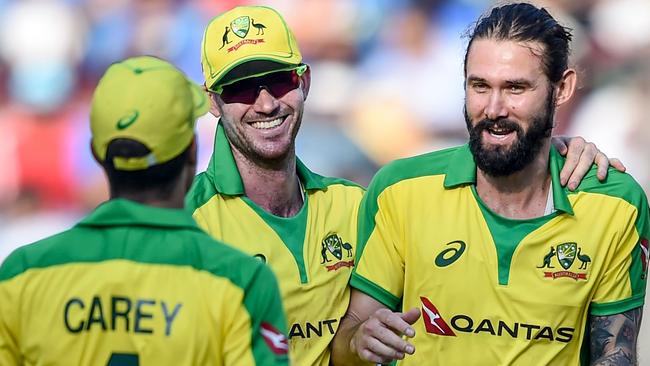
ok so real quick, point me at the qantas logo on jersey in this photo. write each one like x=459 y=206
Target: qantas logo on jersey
x=565 y=256
x=276 y=341
x=433 y=321
x=463 y=323
x=334 y=246
x=317 y=329
x=645 y=257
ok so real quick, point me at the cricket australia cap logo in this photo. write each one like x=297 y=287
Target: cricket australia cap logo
x=333 y=246
x=240 y=27
x=565 y=255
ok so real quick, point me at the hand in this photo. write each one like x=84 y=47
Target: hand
x=580 y=155
x=379 y=339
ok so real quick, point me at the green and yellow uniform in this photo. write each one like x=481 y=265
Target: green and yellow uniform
x=492 y=290
x=133 y=284
x=312 y=253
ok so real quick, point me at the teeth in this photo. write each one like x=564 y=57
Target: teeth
x=268 y=124
x=499 y=131
x=500 y=137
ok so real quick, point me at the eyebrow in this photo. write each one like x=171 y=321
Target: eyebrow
x=518 y=82
x=475 y=79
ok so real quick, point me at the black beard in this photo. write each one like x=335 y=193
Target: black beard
x=502 y=161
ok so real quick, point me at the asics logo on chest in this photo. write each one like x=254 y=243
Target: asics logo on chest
x=450 y=255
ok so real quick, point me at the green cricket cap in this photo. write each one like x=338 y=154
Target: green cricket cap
x=147 y=100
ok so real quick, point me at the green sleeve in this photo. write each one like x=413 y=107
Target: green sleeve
x=268 y=322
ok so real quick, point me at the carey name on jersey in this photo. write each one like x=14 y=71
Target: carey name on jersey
x=120 y=313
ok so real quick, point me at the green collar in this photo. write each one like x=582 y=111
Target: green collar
x=122 y=212
x=227 y=180
x=462 y=170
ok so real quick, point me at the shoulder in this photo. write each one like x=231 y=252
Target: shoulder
x=346 y=184
x=202 y=191
x=339 y=186
x=40 y=254
x=618 y=185
x=433 y=163
x=224 y=261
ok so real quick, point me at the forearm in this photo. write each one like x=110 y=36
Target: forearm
x=613 y=338
x=342 y=352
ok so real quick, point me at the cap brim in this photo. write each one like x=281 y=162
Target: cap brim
x=200 y=98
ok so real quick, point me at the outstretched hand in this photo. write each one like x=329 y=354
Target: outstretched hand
x=379 y=339
x=580 y=155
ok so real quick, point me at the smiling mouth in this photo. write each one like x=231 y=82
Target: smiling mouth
x=265 y=125
x=499 y=132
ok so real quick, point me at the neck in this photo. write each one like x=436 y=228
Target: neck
x=522 y=195
x=273 y=187
x=176 y=200
x=163 y=198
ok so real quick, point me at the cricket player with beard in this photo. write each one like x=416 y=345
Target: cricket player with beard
x=476 y=255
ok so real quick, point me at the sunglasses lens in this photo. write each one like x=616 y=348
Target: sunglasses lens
x=246 y=91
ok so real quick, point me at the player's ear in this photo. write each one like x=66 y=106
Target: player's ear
x=566 y=87
x=214 y=106
x=306 y=82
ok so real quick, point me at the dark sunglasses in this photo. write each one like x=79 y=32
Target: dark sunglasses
x=246 y=91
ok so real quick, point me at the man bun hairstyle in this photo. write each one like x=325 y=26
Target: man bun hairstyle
x=522 y=22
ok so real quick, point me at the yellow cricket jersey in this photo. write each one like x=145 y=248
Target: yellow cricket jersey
x=492 y=290
x=137 y=285
x=312 y=253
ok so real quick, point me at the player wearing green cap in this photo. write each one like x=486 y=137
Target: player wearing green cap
x=137 y=282
x=258 y=196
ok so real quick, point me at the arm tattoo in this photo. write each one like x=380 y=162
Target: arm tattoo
x=613 y=338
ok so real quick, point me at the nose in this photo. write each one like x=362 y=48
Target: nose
x=265 y=103
x=496 y=106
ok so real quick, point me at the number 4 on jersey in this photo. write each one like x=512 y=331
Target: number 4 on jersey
x=123 y=359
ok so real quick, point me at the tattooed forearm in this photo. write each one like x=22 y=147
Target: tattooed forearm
x=617 y=358
x=613 y=338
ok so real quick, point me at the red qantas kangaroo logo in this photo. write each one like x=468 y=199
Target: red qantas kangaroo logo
x=433 y=321
x=274 y=339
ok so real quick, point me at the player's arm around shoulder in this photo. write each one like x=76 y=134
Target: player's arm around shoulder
x=370 y=333
x=260 y=325
x=613 y=338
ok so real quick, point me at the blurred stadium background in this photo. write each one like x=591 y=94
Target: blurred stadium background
x=387 y=83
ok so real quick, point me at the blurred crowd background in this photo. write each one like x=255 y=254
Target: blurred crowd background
x=387 y=83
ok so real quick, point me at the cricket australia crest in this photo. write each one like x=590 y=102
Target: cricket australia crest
x=240 y=26
x=566 y=254
x=333 y=246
